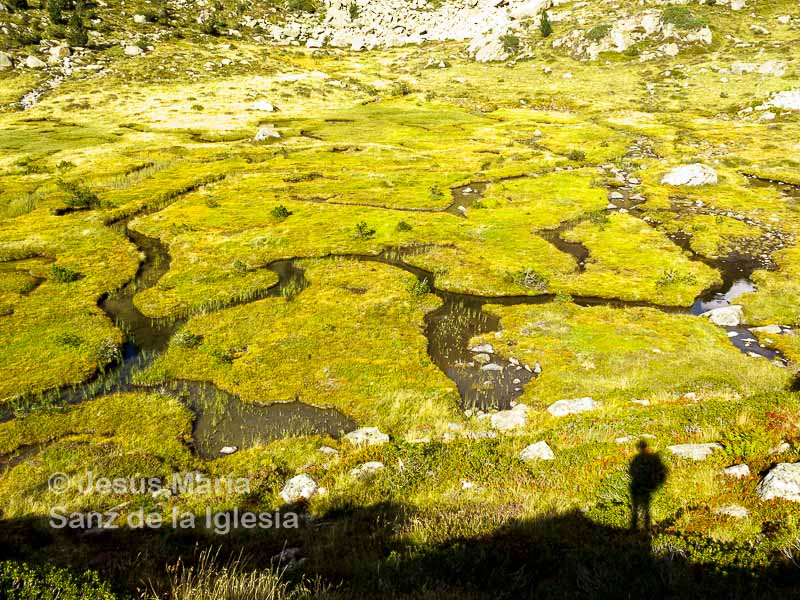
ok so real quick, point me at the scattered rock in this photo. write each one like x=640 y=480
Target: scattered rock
x=537 y=451
x=562 y=408
x=228 y=449
x=299 y=487
x=328 y=451
x=263 y=105
x=34 y=63
x=483 y=349
x=5 y=62
x=725 y=316
x=367 y=436
x=770 y=329
x=737 y=471
x=140 y=19
x=133 y=50
x=368 y=469
x=789 y=100
x=691 y=175
x=265 y=133
x=508 y=420
x=732 y=510
x=694 y=451
x=59 y=52
x=783 y=481
x=492 y=367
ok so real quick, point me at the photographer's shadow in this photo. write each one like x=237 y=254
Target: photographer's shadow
x=647 y=474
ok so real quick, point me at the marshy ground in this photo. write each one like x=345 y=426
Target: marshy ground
x=419 y=250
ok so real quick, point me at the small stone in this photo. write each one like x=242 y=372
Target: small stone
x=366 y=470
x=562 y=408
x=59 y=51
x=133 y=50
x=483 y=348
x=783 y=481
x=140 y=19
x=300 y=487
x=737 y=471
x=694 y=451
x=732 y=510
x=228 y=449
x=537 y=451
x=367 y=436
x=770 y=329
x=5 y=62
x=492 y=367
x=328 y=451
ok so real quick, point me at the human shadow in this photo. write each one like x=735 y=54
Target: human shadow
x=647 y=474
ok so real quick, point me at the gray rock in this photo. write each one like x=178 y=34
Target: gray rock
x=5 y=62
x=133 y=51
x=368 y=469
x=228 y=449
x=483 y=349
x=492 y=367
x=770 y=329
x=367 y=436
x=562 y=408
x=783 y=481
x=537 y=451
x=694 y=451
x=328 y=451
x=726 y=316
x=140 y=19
x=691 y=175
x=508 y=420
x=737 y=471
x=59 y=52
x=299 y=487
x=34 y=63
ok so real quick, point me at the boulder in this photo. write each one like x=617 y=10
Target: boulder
x=367 y=436
x=5 y=62
x=299 y=487
x=725 y=316
x=228 y=450
x=367 y=469
x=489 y=49
x=328 y=451
x=562 y=408
x=537 y=451
x=263 y=105
x=265 y=133
x=737 y=471
x=694 y=451
x=770 y=329
x=133 y=50
x=508 y=420
x=59 y=52
x=34 y=63
x=789 y=100
x=140 y=19
x=691 y=175
x=483 y=348
x=783 y=481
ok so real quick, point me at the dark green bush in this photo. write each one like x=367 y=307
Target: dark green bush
x=363 y=231
x=545 y=26
x=65 y=275
x=682 y=18
x=598 y=32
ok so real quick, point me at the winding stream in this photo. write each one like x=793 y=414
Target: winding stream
x=484 y=380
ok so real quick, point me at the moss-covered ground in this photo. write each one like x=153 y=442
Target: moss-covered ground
x=372 y=149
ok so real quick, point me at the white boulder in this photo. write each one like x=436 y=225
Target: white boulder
x=694 y=451
x=133 y=51
x=368 y=469
x=737 y=471
x=266 y=133
x=299 y=487
x=726 y=316
x=5 y=62
x=789 y=100
x=783 y=481
x=562 y=408
x=691 y=175
x=537 y=451
x=367 y=436
x=34 y=63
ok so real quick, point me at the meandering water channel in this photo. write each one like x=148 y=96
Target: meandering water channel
x=484 y=379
